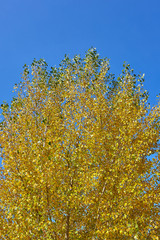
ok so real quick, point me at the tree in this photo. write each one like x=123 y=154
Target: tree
x=80 y=154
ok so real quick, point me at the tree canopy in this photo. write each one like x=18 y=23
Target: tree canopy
x=80 y=154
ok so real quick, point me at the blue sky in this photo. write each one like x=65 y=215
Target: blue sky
x=126 y=30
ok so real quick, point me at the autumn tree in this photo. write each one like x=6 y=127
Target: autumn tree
x=79 y=154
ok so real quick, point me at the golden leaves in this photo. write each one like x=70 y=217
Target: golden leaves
x=75 y=156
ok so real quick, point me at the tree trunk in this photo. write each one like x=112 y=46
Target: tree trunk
x=67 y=227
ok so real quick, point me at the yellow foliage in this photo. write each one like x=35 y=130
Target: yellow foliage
x=75 y=146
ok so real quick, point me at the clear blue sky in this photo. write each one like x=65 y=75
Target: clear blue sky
x=122 y=30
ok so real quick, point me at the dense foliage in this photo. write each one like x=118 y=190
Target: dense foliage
x=75 y=146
